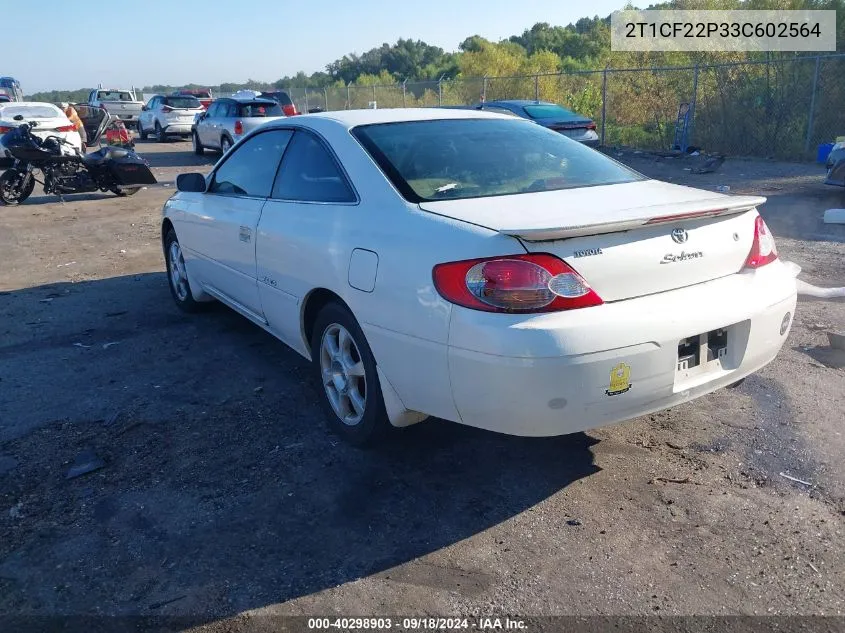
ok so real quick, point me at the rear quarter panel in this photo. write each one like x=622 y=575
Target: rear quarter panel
x=404 y=318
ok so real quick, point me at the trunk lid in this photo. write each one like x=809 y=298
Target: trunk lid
x=626 y=240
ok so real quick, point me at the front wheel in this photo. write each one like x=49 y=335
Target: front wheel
x=141 y=134
x=177 y=275
x=346 y=369
x=13 y=186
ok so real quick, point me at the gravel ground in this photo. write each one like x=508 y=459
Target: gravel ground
x=221 y=494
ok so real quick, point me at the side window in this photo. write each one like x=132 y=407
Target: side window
x=214 y=109
x=250 y=169
x=310 y=174
x=231 y=110
x=153 y=104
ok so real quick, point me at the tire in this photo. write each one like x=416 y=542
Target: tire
x=11 y=191
x=199 y=150
x=141 y=134
x=180 y=290
x=161 y=136
x=123 y=192
x=346 y=371
x=225 y=144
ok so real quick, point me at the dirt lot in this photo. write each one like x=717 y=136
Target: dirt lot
x=221 y=491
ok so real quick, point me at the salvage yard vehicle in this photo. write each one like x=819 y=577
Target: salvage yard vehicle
x=122 y=104
x=51 y=121
x=576 y=126
x=168 y=116
x=227 y=120
x=65 y=168
x=478 y=268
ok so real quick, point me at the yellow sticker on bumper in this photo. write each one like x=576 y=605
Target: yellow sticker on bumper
x=620 y=380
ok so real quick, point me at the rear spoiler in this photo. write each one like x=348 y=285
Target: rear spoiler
x=637 y=217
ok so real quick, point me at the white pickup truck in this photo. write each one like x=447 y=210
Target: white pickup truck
x=121 y=104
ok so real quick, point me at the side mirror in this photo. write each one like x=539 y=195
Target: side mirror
x=191 y=183
x=144 y=108
x=18 y=117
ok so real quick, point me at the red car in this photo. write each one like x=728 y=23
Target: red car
x=203 y=96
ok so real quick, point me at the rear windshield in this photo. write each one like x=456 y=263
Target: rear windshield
x=259 y=109
x=199 y=94
x=280 y=96
x=183 y=102
x=549 y=112
x=29 y=112
x=475 y=158
x=114 y=95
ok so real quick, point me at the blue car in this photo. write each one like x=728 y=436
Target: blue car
x=551 y=115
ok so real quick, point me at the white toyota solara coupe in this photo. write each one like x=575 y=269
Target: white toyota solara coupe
x=478 y=268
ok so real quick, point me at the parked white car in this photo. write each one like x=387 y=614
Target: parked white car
x=168 y=115
x=478 y=268
x=50 y=119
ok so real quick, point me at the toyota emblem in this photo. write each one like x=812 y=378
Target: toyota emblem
x=679 y=236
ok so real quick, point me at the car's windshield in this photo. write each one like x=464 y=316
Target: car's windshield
x=46 y=111
x=114 y=95
x=473 y=158
x=183 y=102
x=259 y=109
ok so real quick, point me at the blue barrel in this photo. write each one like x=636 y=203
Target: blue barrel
x=824 y=150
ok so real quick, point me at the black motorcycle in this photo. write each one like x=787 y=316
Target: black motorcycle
x=66 y=170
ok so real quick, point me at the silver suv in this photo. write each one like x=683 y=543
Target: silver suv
x=230 y=118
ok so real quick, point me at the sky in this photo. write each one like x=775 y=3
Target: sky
x=175 y=42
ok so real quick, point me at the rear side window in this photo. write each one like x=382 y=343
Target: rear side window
x=475 y=158
x=249 y=170
x=309 y=173
x=259 y=109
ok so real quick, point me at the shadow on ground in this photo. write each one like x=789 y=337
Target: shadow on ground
x=221 y=489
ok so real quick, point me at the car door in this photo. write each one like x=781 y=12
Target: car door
x=146 y=116
x=296 y=246
x=223 y=234
x=226 y=122
x=205 y=124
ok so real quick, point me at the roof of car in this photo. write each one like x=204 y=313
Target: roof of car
x=34 y=103
x=352 y=118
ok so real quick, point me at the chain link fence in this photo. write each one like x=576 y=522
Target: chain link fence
x=779 y=108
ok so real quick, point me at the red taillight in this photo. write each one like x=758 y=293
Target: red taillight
x=290 y=110
x=4 y=129
x=514 y=283
x=239 y=127
x=167 y=108
x=591 y=126
x=66 y=128
x=763 y=250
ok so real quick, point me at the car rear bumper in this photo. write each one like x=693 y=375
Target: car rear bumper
x=179 y=128
x=552 y=374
